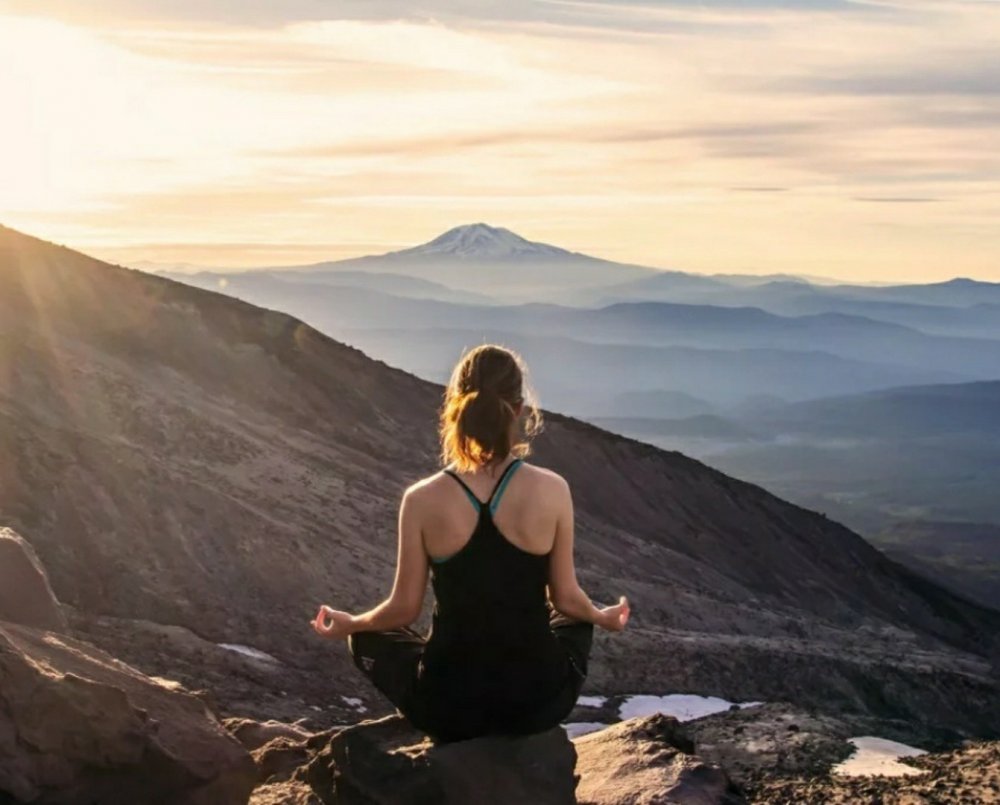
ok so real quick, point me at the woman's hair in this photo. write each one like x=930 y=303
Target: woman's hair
x=479 y=419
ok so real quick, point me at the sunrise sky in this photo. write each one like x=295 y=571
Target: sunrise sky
x=852 y=139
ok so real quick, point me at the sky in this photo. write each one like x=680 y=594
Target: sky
x=857 y=139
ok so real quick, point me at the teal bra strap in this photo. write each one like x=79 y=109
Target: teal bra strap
x=475 y=501
x=498 y=492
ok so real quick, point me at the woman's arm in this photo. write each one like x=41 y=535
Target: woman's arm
x=565 y=592
x=406 y=600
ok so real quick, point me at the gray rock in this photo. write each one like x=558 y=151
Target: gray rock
x=648 y=761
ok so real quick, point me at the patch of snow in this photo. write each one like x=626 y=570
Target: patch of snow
x=249 y=651
x=356 y=703
x=878 y=756
x=577 y=728
x=592 y=701
x=682 y=706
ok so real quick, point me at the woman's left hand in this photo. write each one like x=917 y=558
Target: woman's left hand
x=333 y=623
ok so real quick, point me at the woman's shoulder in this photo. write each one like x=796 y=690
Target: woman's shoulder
x=428 y=487
x=548 y=481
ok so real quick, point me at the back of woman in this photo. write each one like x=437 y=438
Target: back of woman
x=491 y=611
x=510 y=638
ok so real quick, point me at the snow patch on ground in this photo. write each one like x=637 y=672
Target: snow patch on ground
x=577 y=728
x=356 y=703
x=682 y=706
x=592 y=701
x=249 y=651
x=878 y=756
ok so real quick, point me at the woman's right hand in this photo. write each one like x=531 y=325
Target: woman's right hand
x=614 y=618
x=333 y=623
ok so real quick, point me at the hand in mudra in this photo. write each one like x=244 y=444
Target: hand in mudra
x=615 y=617
x=333 y=623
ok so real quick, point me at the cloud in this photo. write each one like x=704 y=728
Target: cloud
x=954 y=74
x=640 y=129
x=896 y=199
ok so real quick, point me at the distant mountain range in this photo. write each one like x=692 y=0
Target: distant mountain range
x=914 y=463
x=731 y=369
x=186 y=462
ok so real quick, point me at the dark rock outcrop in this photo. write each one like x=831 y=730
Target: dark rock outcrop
x=387 y=763
x=970 y=774
x=25 y=594
x=648 y=761
x=78 y=727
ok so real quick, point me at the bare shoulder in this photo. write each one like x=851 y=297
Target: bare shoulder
x=426 y=490
x=549 y=482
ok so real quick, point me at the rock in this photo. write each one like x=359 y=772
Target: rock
x=255 y=734
x=771 y=739
x=78 y=727
x=969 y=774
x=291 y=792
x=648 y=761
x=25 y=594
x=386 y=762
x=278 y=760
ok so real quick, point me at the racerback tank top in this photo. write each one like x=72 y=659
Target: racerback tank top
x=490 y=650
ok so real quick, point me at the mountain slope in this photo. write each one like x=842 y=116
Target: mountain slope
x=181 y=457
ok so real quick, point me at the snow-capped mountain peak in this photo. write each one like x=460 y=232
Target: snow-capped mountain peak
x=481 y=241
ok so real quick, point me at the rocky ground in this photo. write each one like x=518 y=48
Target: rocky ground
x=969 y=775
x=78 y=726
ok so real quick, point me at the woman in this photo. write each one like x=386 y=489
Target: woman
x=511 y=634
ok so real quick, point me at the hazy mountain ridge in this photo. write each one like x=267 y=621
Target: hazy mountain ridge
x=344 y=309
x=183 y=457
x=898 y=464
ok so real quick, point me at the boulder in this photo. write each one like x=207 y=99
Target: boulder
x=648 y=761
x=386 y=762
x=26 y=596
x=255 y=734
x=290 y=792
x=278 y=760
x=78 y=727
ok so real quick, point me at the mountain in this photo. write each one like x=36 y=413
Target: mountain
x=964 y=556
x=596 y=379
x=930 y=308
x=320 y=283
x=906 y=466
x=342 y=309
x=909 y=412
x=484 y=259
x=194 y=470
x=482 y=242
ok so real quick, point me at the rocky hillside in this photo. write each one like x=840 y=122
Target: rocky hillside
x=181 y=458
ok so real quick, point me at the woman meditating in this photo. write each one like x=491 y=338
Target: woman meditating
x=510 y=639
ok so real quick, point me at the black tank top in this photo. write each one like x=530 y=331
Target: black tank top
x=491 y=653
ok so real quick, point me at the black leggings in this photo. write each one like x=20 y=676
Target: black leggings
x=391 y=660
